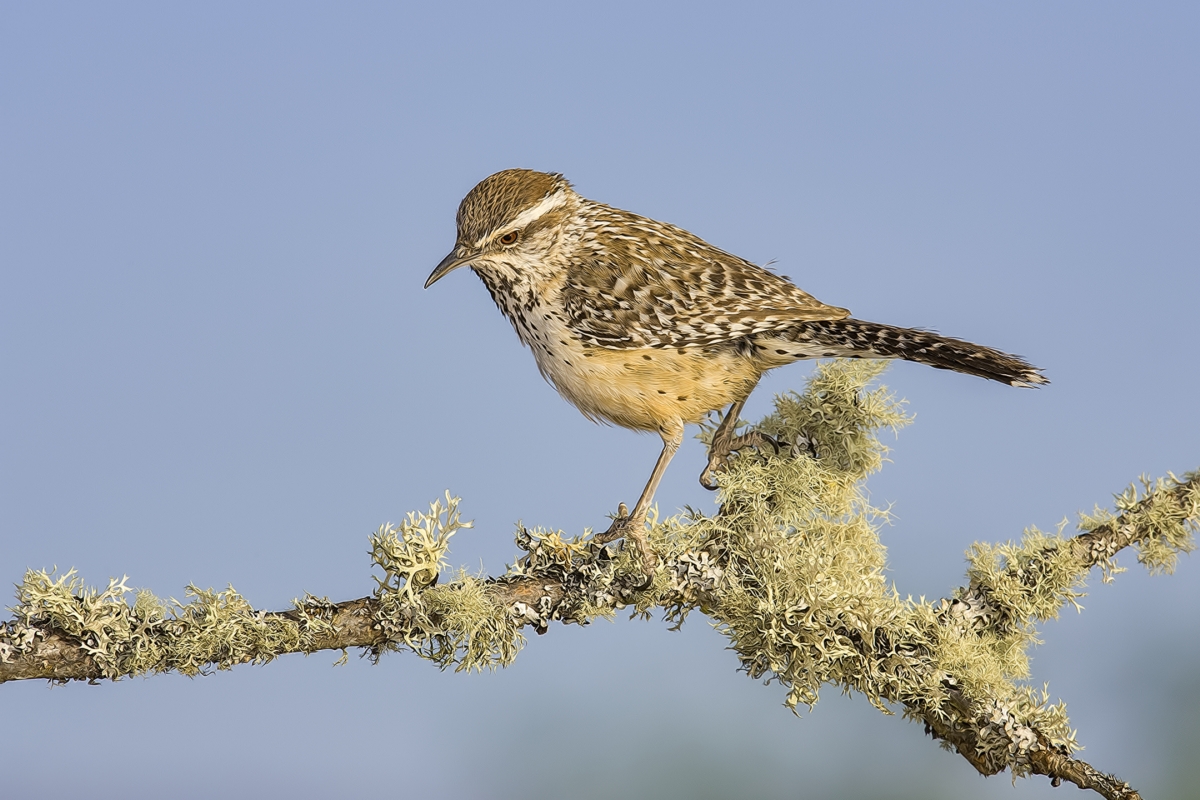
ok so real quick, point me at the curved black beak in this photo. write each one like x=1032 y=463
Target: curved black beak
x=456 y=259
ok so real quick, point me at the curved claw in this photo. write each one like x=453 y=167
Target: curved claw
x=708 y=478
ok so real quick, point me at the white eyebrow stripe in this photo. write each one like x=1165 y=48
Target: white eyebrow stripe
x=547 y=204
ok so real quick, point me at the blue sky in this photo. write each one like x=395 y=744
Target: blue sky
x=220 y=367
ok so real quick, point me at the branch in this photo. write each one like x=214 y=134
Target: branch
x=791 y=569
x=1033 y=581
x=58 y=656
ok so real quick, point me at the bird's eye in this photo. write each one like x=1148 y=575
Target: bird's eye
x=509 y=238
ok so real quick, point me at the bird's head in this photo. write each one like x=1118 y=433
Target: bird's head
x=508 y=222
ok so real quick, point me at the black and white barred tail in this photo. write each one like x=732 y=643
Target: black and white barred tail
x=853 y=338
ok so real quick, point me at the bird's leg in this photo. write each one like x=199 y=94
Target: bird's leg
x=632 y=526
x=724 y=443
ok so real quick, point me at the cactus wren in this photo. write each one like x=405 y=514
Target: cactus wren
x=644 y=325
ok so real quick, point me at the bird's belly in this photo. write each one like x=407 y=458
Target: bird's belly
x=653 y=389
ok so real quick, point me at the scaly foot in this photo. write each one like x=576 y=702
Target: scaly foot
x=725 y=444
x=624 y=526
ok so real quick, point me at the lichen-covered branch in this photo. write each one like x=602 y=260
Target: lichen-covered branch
x=791 y=569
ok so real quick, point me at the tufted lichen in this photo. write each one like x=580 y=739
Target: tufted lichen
x=214 y=629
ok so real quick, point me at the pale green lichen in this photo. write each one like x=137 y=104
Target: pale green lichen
x=1171 y=528
x=1161 y=526
x=223 y=629
x=1031 y=580
x=216 y=629
x=805 y=598
x=462 y=625
x=105 y=626
x=413 y=553
x=458 y=624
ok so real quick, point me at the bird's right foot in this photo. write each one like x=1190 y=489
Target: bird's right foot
x=724 y=445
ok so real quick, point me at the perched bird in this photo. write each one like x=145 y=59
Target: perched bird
x=644 y=325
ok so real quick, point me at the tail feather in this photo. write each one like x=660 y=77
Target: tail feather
x=852 y=338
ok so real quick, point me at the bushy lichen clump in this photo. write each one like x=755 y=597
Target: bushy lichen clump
x=458 y=623
x=805 y=597
x=801 y=591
